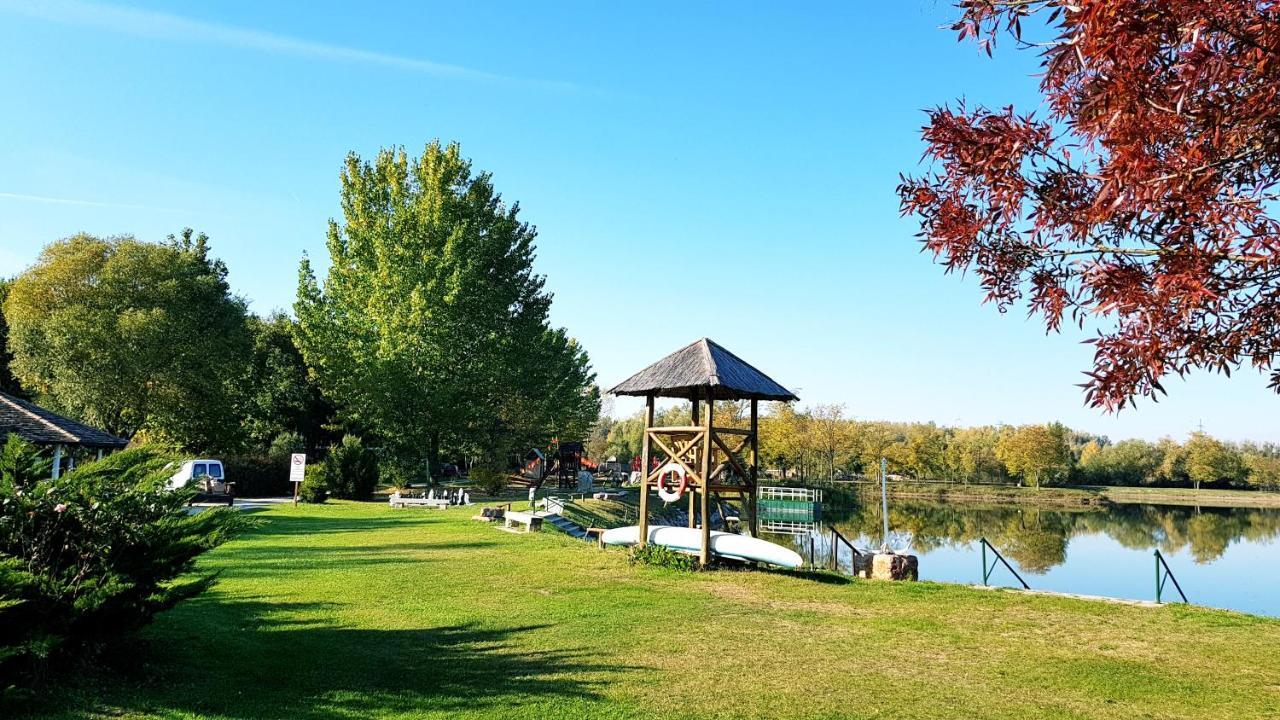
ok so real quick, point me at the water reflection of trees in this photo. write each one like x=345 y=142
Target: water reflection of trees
x=1037 y=539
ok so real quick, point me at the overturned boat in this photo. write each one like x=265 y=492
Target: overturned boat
x=723 y=544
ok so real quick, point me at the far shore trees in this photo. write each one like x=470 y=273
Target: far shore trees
x=1035 y=453
x=430 y=330
x=132 y=336
x=1143 y=201
x=1210 y=461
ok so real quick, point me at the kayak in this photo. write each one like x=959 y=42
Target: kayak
x=723 y=544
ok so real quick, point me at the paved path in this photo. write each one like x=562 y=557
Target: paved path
x=243 y=504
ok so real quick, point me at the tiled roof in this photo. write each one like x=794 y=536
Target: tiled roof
x=43 y=427
x=688 y=371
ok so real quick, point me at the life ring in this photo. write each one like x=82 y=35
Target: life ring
x=667 y=494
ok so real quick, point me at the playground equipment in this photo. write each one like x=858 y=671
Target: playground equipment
x=563 y=463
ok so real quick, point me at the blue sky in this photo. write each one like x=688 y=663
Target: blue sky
x=754 y=147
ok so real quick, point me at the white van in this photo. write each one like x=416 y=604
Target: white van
x=206 y=474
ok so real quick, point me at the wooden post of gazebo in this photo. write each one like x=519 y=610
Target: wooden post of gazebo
x=710 y=459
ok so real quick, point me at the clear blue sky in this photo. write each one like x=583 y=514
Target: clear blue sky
x=753 y=146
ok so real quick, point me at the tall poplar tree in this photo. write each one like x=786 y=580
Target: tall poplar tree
x=430 y=330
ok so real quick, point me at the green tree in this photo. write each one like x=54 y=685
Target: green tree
x=8 y=383
x=831 y=436
x=1173 y=462
x=875 y=440
x=1210 y=460
x=278 y=398
x=1264 y=470
x=430 y=329
x=129 y=335
x=1128 y=462
x=625 y=437
x=598 y=440
x=971 y=454
x=924 y=451
x=786 y=439
x=1035 y=452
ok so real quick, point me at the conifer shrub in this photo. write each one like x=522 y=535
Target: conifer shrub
x=92 y=555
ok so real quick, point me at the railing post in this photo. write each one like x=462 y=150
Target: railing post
x=985 y=575
x=1158 y=578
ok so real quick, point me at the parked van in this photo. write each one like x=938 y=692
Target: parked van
x=206 y=476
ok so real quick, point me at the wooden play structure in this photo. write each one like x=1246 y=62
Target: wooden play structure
x=701 y=459
x=563 y=464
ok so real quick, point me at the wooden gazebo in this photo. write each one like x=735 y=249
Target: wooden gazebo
x=710 y=459
x=44 y=427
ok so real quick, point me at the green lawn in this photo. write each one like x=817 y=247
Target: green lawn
x=355 y=610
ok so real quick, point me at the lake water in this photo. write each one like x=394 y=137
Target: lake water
x=1226 y=558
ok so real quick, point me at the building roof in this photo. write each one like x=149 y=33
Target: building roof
x=689 y=371
x=43 y=427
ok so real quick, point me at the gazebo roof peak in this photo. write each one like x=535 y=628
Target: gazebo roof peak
x=703 y=364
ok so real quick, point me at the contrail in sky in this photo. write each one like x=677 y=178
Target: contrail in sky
x=151 y=24
x=84 y=203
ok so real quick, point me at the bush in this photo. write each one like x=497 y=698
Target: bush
x=259 y=476
x=351 y=470
x=314 y=488
x=284 y=445
x=93 y=554
x=401 y=472
x=489 y=480
x=663 y=556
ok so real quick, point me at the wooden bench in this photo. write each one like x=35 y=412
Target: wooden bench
x=531 y=522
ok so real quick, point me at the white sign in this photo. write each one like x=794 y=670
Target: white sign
x=297 y=467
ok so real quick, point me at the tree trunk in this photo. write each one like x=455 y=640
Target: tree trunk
x=433 y=455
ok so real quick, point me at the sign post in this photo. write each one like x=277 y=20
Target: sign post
x=297 y=471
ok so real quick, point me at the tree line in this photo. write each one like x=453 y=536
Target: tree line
x=821 y=443
x=428 y=334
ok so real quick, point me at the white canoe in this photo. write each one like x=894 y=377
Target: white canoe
x=729 y=545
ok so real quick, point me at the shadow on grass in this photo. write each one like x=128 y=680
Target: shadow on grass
x=279 y=660
x=819 y=576
x=275 y=562
x=319 y=525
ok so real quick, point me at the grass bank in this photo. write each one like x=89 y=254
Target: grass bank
x=1074 y=496
x=355 y=610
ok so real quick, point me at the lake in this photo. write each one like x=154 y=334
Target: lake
x=1222 y=557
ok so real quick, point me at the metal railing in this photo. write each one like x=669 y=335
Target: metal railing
x=837 y=538
x=1163 y=575
x=988 y=569
x=790 y=493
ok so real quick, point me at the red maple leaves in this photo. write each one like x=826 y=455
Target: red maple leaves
x=1143 y=201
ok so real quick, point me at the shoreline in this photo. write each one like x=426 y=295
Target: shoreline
x=1072 y=496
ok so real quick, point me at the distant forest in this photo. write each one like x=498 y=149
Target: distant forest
x=820 y=443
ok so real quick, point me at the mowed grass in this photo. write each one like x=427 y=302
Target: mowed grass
x=355 y=610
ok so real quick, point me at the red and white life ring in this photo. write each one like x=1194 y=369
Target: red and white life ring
x=665 y=492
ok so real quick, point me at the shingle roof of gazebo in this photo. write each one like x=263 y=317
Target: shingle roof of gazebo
x=43 y=427
x=700 y=365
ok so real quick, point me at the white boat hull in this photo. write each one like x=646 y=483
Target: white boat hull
x=723 y=544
